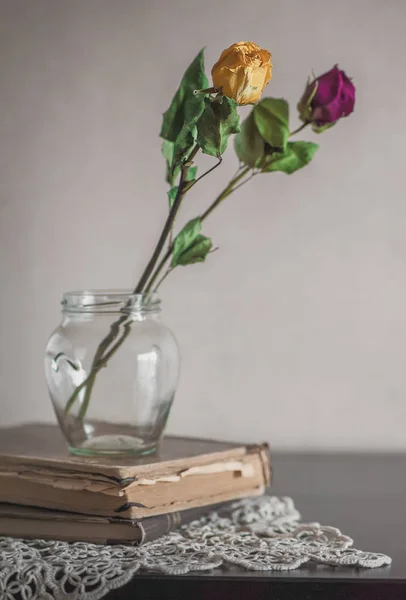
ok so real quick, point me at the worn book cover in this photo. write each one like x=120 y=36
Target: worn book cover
x=40 y=523
x=37 y=470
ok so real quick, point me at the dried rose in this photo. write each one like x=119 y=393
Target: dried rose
x=242 y=72
x=327 y=99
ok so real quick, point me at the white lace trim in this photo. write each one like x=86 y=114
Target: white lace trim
x=259 y=535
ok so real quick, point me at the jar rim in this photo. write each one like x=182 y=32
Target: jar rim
x=109 y=301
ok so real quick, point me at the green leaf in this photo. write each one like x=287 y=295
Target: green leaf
x=248 y=144
x=185 y=239
x=185 y=104
x=296 y=156
x=172 y=195
x=179 y=121
x=272 y=120
x=167 y=149
x=197 y=252
x=183 y=145
x=219 y=120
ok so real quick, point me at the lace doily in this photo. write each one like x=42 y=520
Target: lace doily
x=263 y=534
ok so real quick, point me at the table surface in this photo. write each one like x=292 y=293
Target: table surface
x=363 y=495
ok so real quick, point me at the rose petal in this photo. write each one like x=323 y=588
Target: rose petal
x=328 y=86
x=327 y=114
x=242 y=72
x=347 y=94
x=334 y=98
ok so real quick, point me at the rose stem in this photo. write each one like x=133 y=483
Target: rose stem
x=226 y=192
x=168 y=225
x=303 y=125
x=114 y=328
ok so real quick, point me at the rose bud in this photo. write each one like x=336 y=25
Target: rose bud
x=242 y=72
x=327 y=99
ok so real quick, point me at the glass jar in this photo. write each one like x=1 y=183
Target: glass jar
x=112 y=368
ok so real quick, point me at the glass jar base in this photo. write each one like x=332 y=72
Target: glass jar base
x=122 y=408
x=113 y=445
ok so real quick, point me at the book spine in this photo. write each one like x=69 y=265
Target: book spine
x=152 y=528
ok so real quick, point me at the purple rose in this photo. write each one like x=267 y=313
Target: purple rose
x=327 y=98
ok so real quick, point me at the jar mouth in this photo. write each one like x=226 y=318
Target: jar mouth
x=109 y=301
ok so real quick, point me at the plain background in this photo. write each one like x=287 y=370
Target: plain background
x=295 y=330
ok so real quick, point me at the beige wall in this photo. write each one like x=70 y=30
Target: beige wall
x=295 y=331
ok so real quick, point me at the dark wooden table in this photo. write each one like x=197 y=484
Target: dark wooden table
x=363 y=495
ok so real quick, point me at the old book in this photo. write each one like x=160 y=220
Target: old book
x=36 y=470
x=40 y=523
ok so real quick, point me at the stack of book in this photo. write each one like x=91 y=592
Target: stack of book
x=45 y=493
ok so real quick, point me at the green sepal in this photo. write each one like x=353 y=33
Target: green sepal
x=320 y=128
x=271 y=117
x=304 y=105
x=219 y=120
x=248 y=144
x=296 y=156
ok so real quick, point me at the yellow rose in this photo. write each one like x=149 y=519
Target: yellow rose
x=242 y=72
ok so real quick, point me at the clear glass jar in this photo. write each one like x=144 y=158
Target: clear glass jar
x=112 y=368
